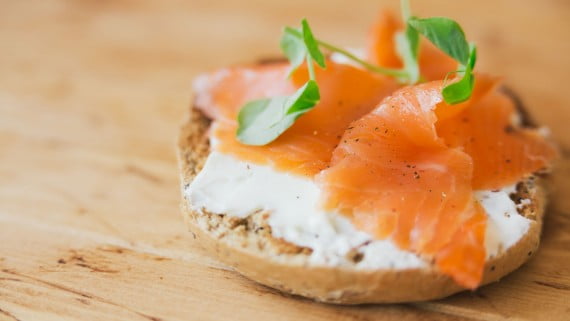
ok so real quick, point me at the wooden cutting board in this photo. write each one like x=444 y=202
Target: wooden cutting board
x=92 y=93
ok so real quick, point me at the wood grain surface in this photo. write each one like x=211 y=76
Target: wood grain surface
x=92 y=93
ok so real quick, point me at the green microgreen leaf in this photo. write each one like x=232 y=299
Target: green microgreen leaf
x=294 y=49
x=445 y=34
x=262 y=121
x=312 y=45
x=472 y=56
x=461 y=90
x=304 y=99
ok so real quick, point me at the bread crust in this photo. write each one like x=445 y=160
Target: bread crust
x=248 y=246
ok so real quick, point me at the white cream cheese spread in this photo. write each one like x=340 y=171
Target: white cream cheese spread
x=227 y=185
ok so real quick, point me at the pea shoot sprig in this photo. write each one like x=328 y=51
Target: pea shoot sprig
x=262 y=121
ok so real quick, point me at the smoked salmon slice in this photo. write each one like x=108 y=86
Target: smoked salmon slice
x=489 y=131
x=463 y=258
x=222 y=93
x=396 y=178
x=347 y=94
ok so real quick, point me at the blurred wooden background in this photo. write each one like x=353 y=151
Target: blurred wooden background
x=91 y=96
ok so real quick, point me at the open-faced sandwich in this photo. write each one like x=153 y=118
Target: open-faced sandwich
x=390 y=175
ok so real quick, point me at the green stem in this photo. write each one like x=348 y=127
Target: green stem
x=405 y=7
x=381 y=70
x=311 y=67
x=371 y=67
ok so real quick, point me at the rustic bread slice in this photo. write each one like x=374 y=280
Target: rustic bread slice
x=248 y=246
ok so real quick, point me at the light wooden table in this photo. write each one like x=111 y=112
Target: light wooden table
x=92 y=93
